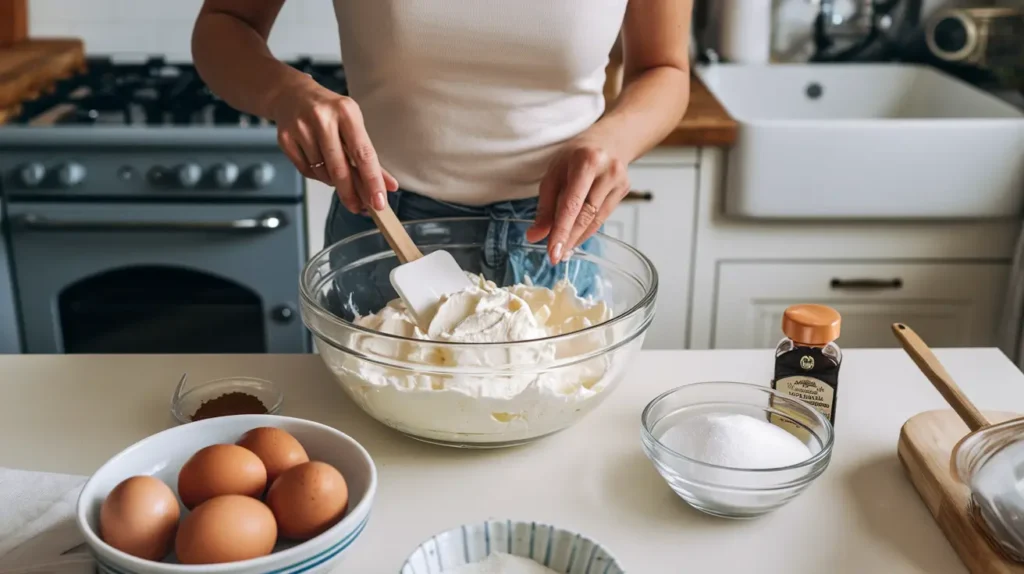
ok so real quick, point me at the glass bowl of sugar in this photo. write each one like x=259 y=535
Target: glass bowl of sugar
x=735 y=450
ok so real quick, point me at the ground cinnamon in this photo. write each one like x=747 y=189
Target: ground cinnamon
x=234 y=403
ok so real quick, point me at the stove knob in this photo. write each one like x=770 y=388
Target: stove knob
x=159 y=175
x=283 y=314
x=32 y=174
x=71 y=174
x=225 y=175
x=262 y=174
x=188 y=174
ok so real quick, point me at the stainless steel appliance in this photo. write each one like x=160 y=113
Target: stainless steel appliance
x=144 y=215
x=862 y=30
x=987 y=38
x=10 y=339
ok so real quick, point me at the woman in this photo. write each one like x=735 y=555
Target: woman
x=473 y=107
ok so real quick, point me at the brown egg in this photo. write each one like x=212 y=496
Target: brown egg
x=226 y=529
x=218 y=470
x=139 y=517
x=278 y=450
x=308 y=499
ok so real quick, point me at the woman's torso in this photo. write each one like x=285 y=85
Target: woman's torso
x=467 y=101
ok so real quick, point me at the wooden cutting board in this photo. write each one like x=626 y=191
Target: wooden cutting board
x=925 y=444
x=33 y=66
x=13 y=22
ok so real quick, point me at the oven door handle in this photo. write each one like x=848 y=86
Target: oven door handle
x=33 y=222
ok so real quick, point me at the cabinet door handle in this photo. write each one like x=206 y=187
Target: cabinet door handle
x=866 y=284
x=635 y=195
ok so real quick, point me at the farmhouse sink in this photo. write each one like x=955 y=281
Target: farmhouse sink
x=867 y=141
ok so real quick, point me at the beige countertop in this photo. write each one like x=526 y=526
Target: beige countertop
x=69 y=413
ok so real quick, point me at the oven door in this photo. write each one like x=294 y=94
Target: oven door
x=159 y=278
x=10 y=338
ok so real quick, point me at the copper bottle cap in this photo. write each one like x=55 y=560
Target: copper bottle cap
x=815 y=325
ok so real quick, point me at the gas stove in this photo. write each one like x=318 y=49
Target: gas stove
x=150 y=93
x=141 y=213
x=147 y=130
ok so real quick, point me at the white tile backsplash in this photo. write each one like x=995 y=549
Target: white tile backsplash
x=304 y=27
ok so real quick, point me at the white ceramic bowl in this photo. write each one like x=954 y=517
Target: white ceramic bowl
x=162 y=456
x=560 y=550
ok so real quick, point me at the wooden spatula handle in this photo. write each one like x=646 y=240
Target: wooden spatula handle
x=936 y=373
x=395 y=234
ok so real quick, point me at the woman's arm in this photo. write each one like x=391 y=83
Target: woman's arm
x=229 y=45
x=588 y=179
x=656 y=78
x=318 y=129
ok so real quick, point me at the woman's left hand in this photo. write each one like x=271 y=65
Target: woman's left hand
x=582 y=187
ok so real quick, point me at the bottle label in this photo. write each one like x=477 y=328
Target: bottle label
x=805 y=373
x=810 y=390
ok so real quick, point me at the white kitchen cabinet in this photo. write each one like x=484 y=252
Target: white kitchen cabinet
x=622 y=223
x=948 y=304
x=661 y=214
x=952 y=275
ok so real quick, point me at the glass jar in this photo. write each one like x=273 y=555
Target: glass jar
x=988 y=462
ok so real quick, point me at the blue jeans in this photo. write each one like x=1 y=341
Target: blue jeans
x=500 y=261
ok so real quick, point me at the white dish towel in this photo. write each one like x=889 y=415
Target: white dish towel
x=38 y=533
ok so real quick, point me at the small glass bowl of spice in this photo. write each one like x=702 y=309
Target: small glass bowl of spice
x=225 y=397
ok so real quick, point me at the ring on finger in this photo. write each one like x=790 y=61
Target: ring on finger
x=589 y=209
x=316 y=165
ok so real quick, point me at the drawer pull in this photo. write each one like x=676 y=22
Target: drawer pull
x=635 y=195
x=866 y=284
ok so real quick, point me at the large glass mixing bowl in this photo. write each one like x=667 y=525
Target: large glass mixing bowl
x=477 y=395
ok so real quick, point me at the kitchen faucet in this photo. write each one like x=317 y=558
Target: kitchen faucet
x=857 y=30
x=858 y=24
x=843 y=30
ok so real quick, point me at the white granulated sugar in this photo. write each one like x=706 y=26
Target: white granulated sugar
x=735 y=441
x=499 y=563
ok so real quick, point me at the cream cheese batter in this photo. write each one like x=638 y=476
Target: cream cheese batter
x=474 y=393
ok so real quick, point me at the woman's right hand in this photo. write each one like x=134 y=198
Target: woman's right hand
x=323 y=134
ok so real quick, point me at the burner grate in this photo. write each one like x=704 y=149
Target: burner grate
x=151 y=93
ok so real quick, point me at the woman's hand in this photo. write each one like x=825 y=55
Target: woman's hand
x=588 y=179
x=582 y=187
x=323 y=134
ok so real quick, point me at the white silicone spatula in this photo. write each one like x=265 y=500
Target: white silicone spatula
x=421 y=280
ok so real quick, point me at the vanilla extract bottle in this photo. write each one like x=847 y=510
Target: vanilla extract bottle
x=807 y=360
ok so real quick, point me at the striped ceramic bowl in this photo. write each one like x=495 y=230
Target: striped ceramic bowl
x=162 y=456
x=559 y=550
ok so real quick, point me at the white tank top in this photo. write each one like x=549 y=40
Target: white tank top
x=467 y=101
